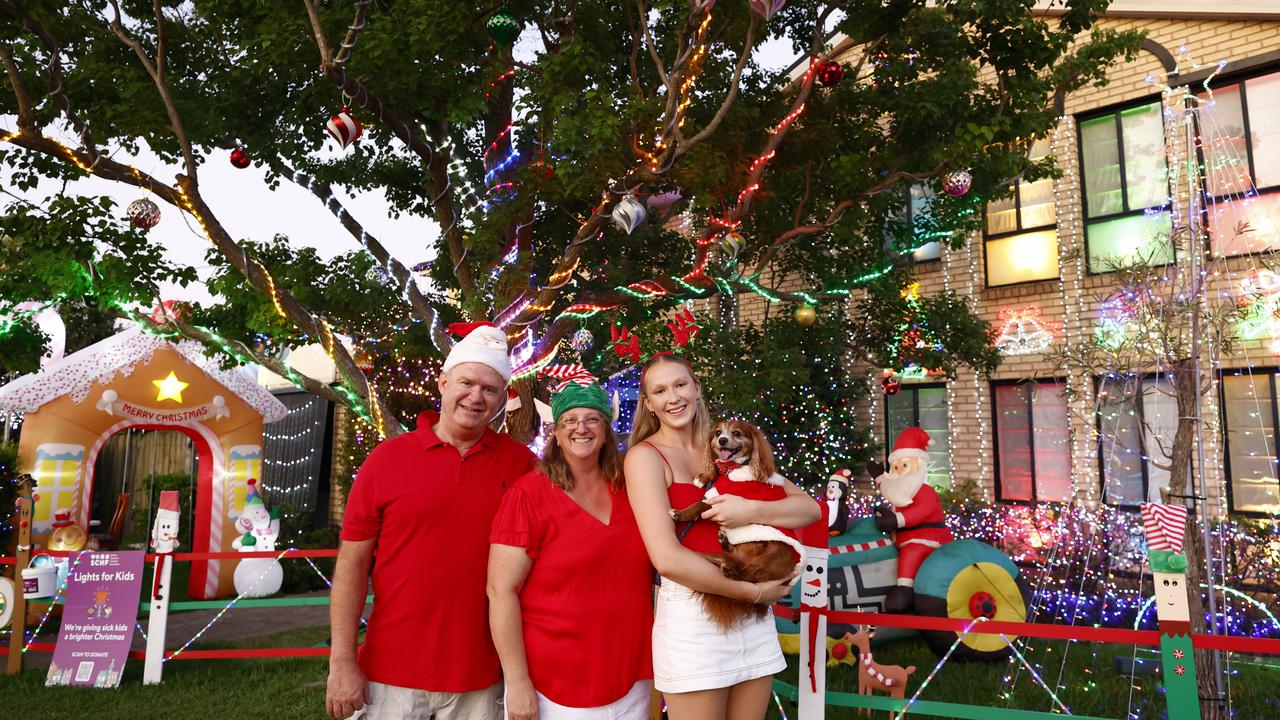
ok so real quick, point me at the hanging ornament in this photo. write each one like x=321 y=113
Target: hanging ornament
x=582 y=340
x=628 y=214
x=344 y=127
x=766 y=8
x=957 y=182
x=891 y=384
x=503 y=27
x=240 y=158
x=805 y=315
x=143 y=213
x=731 y=243
x=364 y=361
x=830 y=73
x=541 y=168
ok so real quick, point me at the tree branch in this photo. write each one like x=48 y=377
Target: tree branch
x=26 y=114
x=156 y=71
x=326 y=55
x=652 y=46
x=734 y=83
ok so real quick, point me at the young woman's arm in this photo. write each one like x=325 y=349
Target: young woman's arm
x=647 y=491
x=508 y=568
x=793 y=512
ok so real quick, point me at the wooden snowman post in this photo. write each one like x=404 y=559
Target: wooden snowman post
x=812 y=703
x=1164 y=526
x=164 y=539
x=22 y=521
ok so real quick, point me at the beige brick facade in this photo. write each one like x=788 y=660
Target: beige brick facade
x=1070 y=303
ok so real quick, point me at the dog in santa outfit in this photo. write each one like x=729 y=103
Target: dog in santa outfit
x=914 y=514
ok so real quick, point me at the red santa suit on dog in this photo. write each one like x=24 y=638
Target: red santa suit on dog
x=914 y=515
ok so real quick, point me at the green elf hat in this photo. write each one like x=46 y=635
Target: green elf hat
x=577 y=389
x=1167 y=561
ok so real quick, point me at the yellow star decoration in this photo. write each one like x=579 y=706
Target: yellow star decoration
x=170 y=388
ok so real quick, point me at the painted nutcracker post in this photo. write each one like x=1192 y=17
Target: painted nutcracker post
x=813 y=619
x=1164 y=526
x=22 y=521
x=164 y=540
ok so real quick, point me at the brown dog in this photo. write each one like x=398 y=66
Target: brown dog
x=740 y=462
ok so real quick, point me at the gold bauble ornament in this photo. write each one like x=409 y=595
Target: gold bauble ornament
x=805 y=315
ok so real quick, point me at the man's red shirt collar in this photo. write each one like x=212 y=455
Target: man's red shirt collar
x=428 y=439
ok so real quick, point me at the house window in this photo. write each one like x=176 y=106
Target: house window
x=1022 y=242
x=924 y=406
x=1249 y=417
x=1126 y=187
x=1136 y=422
x=1033 y=448
x=1240 y=136
x=926 y=249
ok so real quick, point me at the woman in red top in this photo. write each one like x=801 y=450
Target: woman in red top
x=703 y=672
x=569 y=580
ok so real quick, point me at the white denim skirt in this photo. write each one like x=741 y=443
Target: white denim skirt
x=690 y=652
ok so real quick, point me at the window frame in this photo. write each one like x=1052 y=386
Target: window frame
x=915 y=411
x=995 y=438
x=1271 y=373
x=1085 y=220
x=1142 y=439
x=1239 y=80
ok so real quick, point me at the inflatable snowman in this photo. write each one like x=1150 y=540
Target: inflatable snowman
x=259 y=528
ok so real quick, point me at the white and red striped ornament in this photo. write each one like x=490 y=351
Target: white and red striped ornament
x=344 y=127
x=766 y=8
x=1164 y=525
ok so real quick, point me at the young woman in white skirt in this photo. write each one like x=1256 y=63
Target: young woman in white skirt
x=703 y=671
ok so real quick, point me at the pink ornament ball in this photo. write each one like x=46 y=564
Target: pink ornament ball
x=957 y=182
x=143 y=213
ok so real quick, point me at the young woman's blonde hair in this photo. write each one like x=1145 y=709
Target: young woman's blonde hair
x=646 y=423
x=555 y=467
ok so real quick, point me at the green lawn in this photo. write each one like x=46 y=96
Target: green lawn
x=294 y=688
x=1091 y=685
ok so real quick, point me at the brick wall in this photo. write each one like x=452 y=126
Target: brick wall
x=1069 y=305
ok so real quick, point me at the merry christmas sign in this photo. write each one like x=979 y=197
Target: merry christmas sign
x=98 y=619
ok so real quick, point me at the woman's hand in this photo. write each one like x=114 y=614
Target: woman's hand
x=771 y=591
x=521 y=701
x=731 y=511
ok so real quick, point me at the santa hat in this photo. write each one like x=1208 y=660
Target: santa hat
x=251 y=495
x=760 y=533
x=842 y=476
x=912 y=442
x=481 y=343
x=62 y=518
x=168 y=505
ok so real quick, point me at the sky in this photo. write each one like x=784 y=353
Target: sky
x=247 y=208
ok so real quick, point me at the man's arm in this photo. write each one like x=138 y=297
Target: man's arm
x=347 y=690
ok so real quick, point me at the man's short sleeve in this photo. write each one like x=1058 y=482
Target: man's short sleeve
x=362 y=519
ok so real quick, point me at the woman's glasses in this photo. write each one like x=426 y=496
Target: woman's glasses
x=592 y=422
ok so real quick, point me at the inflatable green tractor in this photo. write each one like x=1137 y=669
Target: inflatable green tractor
x=963 y=579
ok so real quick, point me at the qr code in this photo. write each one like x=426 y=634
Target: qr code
x=84 y=671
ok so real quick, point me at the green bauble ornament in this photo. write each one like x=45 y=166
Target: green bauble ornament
x=503 y=27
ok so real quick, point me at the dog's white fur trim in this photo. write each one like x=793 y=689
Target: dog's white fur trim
x=760 y=533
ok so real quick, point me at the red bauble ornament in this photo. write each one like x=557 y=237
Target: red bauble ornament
x=830 y=73
x=143 y=213
x=240 y=158
x=957 y=183
x=839 y=651
x=541 y=168
x=891 y=385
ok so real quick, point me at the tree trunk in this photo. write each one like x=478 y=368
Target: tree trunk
x=1187 y=390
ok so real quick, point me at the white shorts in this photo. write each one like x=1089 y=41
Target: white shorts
x=690 y=652
x=632 y=706
x=392 y=702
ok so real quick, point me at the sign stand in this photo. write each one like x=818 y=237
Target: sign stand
x=18 y=630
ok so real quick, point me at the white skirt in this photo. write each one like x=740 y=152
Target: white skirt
x=690 y=652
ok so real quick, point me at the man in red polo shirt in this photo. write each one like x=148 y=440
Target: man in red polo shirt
x=422 y=504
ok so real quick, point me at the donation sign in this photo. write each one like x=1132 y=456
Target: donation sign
x=98 y=619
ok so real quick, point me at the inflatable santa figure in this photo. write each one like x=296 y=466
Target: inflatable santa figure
x=837 y=506
x=914 y=514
